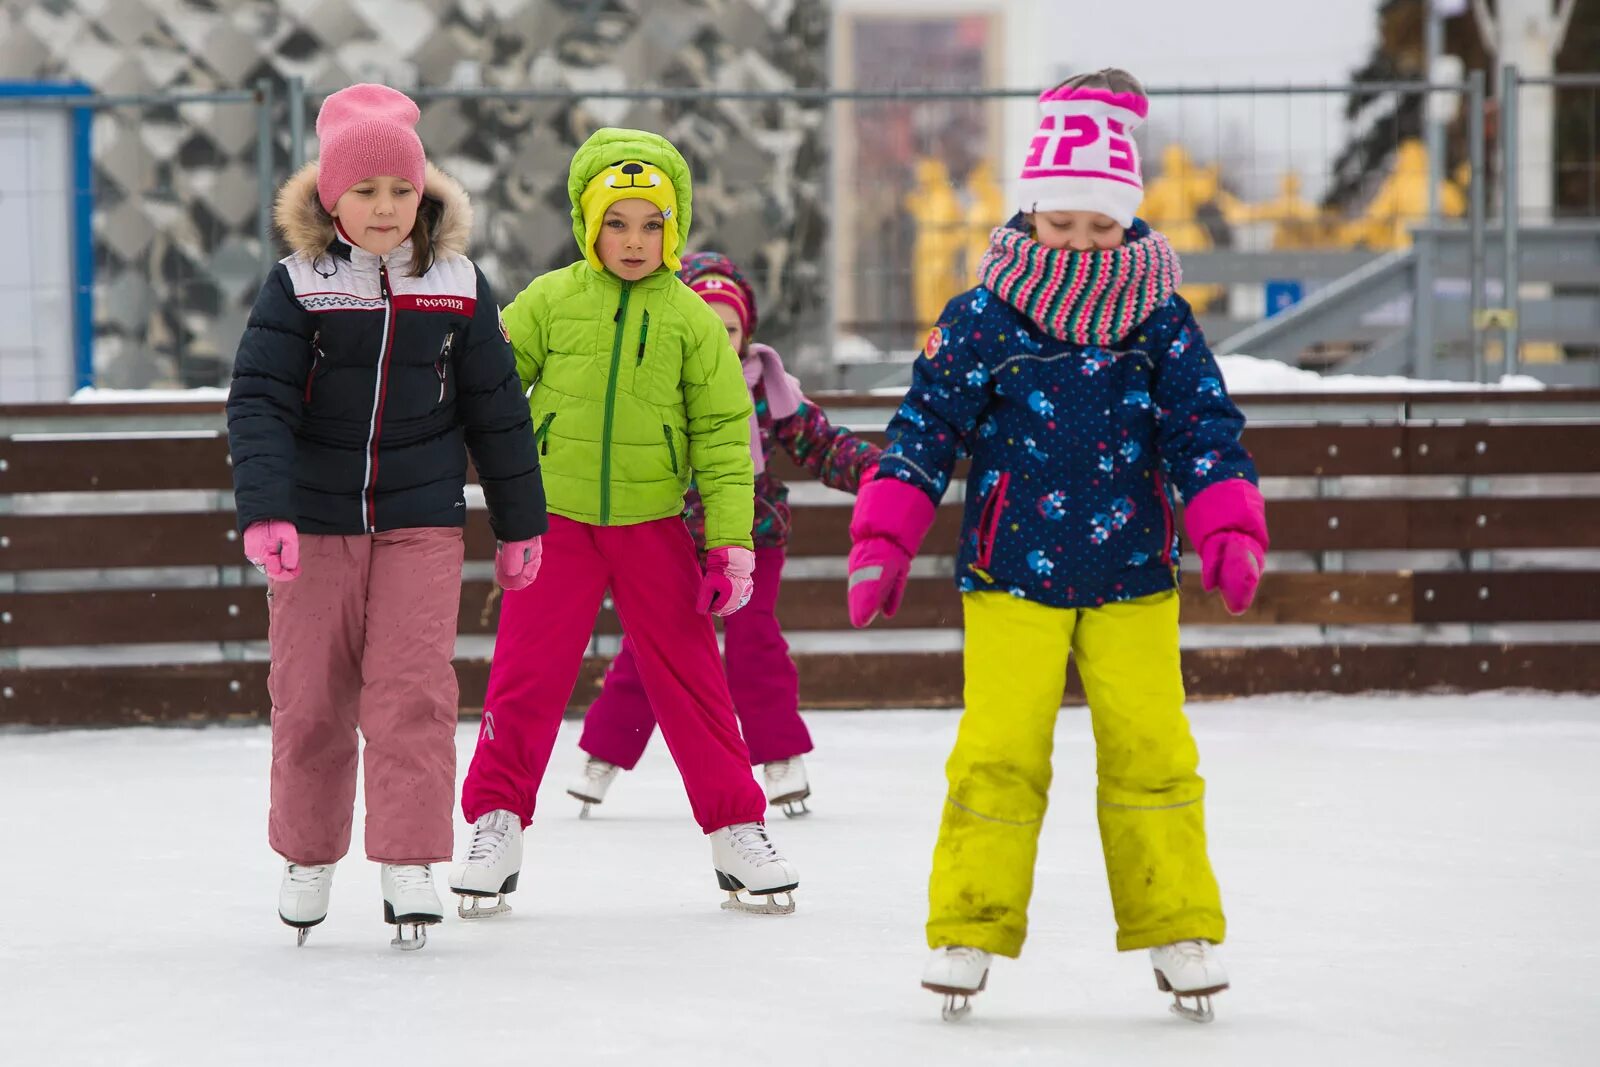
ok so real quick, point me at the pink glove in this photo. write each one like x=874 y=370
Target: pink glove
x=1228 y=524
x=516 y=563
x=889 y=522
x=728 y=581
x=273 y=545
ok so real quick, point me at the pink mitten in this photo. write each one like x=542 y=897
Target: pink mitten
x=728 y=581
x=1227 y=522
x=889 y=522
x=273 y=545
x=516 y=563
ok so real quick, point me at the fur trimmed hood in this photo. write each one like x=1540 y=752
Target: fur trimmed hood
x=308 y=230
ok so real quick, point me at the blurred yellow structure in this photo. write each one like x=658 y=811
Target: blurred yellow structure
x=940 y=238
x=1402 y=202
x=1172 y=202
x=1296 y=222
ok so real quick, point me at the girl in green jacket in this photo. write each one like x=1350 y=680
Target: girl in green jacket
x=634 y=390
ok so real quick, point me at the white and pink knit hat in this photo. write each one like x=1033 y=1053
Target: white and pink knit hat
x=1083 y=157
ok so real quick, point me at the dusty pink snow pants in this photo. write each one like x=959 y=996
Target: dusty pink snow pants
x=364 y=639
x=544 y=629
x=761 y=677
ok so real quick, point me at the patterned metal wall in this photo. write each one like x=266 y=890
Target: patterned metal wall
x=176 y=194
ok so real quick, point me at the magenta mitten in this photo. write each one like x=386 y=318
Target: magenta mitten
x=516 y=563
x=728 y=581
x=1227 y=522
x=273 y=545
x=887 y=527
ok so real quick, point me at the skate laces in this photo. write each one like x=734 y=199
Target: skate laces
x=408 y=877
x=487 y=839
x=304 y=877
x=598 y=770
x=1196 y=951
x=751 y=842
x=779 y=770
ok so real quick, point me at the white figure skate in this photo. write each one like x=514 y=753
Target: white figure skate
x=746 y=861
x=787 y=786
x=494 y=861
x=303 y=897
x=1190 y=971
x=957 y=972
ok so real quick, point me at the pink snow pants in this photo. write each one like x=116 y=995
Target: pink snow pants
x=654 y=577
x=761 y=677
x=363 y=640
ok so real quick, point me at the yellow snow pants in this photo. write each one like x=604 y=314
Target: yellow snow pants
x=1152 y=824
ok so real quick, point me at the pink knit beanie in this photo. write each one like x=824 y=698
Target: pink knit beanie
x=1083 y=157
x=367 y=131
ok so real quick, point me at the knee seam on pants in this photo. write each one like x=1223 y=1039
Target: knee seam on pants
x=1146 y=807
x=953 y=802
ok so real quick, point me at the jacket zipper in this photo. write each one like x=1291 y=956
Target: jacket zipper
x=620 y=319
x=672 y=452
x=316 y=360
x=644 y=331
x=375 y=429
x=989 y=520
x=542 y=436
x=1166 y=512
x=442 y=366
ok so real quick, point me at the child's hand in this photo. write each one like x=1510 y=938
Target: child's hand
x=273 y=545
x=728 y=580
x=878 y=572
x=1227 y=521
x=1232 y=562
x=888 y=524
x=516 y=563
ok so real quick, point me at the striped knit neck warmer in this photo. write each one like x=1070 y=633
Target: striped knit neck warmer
x=1088 y=298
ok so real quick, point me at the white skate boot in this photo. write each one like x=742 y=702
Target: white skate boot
x=1189 y=969
x=409 y=900
x=494 y=860
x=787 y=786
x=958 y=972
x=303 y=897
x=746 y=860
x=592 y=784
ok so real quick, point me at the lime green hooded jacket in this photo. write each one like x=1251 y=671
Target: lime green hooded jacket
x=633 y=386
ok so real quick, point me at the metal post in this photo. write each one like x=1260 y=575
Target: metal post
x=296 y=100
x=264 y=175
x=1475 y=208
x=1510 y=218
x=1422 y=301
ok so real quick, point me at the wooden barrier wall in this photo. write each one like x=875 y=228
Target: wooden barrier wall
x=86 y=449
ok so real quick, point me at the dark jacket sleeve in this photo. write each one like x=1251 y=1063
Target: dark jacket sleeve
x=266 y=400
x=834 y=456
x=499 y=429
x=1199 y=429
x=950 y=387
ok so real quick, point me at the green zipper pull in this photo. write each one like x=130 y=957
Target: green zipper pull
x=543 y=436
x=644 y=331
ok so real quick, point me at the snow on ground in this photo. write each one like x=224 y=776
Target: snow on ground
x=1408 y=880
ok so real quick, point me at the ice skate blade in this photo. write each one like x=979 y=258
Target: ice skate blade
x=795 y=809
x=955 y=1006
x=1201 y=1011
x=588 y=802
x=773 y=906
x=300 y=936
x=418 y=938
x=472 y=906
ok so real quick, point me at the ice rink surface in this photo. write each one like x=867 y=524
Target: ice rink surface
x=1408 y=880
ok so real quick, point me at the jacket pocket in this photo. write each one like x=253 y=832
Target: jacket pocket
x=541 y=436
x=672 y=451
x=989 y=520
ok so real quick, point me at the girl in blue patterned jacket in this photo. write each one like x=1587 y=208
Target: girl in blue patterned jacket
x=1079 y=384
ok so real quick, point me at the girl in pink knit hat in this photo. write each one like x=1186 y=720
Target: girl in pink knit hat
x=761 y=676
x=373 y=364
x=1078 y=382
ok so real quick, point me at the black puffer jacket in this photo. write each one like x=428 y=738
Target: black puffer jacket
x=358 y=389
